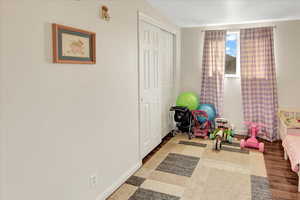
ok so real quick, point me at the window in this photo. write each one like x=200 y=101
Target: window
x=232 y=57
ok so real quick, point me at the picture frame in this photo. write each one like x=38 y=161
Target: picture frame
x=72 y=45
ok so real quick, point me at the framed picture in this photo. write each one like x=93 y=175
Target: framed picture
x=72 y=45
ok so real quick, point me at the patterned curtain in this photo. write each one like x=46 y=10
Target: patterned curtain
x=258 y=77
x=213 y=69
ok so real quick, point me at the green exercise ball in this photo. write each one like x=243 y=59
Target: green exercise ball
x=188 y=99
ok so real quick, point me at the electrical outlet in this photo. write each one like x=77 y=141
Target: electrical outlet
x=93 y=181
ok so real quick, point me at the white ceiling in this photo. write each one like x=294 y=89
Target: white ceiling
x=187 y=13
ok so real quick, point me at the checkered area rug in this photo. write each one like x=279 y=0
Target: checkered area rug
x=191 y=170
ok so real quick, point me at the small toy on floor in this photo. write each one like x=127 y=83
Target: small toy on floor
x=252 y=142
x=223 y=133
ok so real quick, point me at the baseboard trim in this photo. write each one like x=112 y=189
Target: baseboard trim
x=119 y=182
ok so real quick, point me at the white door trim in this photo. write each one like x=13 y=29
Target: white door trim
x=155 y=22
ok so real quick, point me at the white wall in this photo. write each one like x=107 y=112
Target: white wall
x=287 y=48
x=61 y=122
x=288 y=63
x=191 y=59
x=2 y=135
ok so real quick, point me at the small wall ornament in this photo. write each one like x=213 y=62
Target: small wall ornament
x=105 y=14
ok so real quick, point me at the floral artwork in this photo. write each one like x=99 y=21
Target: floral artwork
x=75 y=46
x=71 y=45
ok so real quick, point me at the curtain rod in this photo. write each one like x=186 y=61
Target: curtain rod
x=236 y=29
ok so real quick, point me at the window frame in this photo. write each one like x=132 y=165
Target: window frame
x=238 y=68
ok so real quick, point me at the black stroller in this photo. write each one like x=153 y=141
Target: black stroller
x=184 y=120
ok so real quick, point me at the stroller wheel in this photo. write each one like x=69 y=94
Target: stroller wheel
x=173 y=133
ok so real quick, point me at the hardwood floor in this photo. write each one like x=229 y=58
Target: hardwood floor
x=283 y=182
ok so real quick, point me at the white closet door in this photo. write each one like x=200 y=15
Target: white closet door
x=167 y=80
x=150 y=88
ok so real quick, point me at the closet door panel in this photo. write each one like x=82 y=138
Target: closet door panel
x=150 y=88
x=167 y=83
